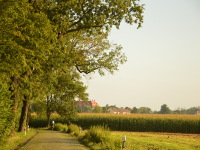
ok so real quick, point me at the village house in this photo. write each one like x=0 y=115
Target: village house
x=114 y=110
x=198 y=112
x=92 y=103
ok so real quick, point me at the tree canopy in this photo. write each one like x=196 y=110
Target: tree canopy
x=165 y=109
x=46 y=46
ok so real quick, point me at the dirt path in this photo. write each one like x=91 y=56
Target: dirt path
x=53 y=140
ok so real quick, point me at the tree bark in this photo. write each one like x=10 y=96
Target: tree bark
x=48 y=111
x=14 y=97
x=24 y=115
x=28 y=117
x=48 y=120
x=13 y=89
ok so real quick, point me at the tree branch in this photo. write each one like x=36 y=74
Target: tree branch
x=84 y=27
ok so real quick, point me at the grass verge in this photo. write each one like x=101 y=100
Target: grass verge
x=161 y=141
x=100 y=137
x=18 y=140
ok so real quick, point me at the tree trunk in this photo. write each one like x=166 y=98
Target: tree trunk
x=48 y=120
x=24 y=115
x=49 y=110
x=28 y=117
x=13 y=89
x=14 y=97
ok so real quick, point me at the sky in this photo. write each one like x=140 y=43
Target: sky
x=163 y=59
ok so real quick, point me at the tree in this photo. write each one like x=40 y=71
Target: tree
x=144 y=110
x=87 y=109
x=39 y=40
x=128 y=108
x=68 y=89
x=105 y=109
x=165 y=109
x=6 y=113
x=193 y=110
x=97 y=109
x=24 y=34
x=134 y=110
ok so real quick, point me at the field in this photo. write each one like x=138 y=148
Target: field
x=159 y=141
x=132 y=122
x=143 y=123
x=152 y=116
x=143 y=131
x=157 y=131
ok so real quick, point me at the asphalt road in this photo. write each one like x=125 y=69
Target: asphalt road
x=53 y=140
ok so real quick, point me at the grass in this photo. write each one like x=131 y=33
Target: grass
x=18 y=139
x=135 y=140
x=141 y=140
x=161 y=141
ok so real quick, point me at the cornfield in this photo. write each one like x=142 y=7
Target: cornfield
x=142 y=123
x=131 y=122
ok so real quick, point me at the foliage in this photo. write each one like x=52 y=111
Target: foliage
x=24 y=44
x=61 y=127
x=97 y=134
x=42 y=43
x=105 y=109
x=6 y=114
x=100 y=135
x=74 y=129
x=192 y=110
x=165 y=109
x=17 y=139
x=84 y=109
x=144 y=110
x=134 y=110
x=97 y=109
x=38 y=107
x=38 y=121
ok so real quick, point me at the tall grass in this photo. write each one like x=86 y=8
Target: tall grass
x=61 y=127
x=74 y=129
x=99 y=137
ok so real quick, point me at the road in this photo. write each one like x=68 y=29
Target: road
x=53 y=140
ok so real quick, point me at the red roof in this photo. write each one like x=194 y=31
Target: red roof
x=87 y=103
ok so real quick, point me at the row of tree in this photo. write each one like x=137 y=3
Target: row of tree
x=46 y=46
x=141 y=110
x=164 y=110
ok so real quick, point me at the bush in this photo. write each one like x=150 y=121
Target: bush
x=38 y=121
x=61 y=127
x=101 y=136
x=74 y=129
x=6 y=115
x=97 y=134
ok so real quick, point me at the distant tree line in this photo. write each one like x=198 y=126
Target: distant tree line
x=39 y=109
x=163 y=110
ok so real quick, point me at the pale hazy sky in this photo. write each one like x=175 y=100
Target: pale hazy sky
x=163 y=64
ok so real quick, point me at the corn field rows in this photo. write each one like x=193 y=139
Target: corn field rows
x=139 y=123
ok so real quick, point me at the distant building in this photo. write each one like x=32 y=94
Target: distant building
x=114 y=110
x=124 y=111
x=92 y=103
x=198 y=112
